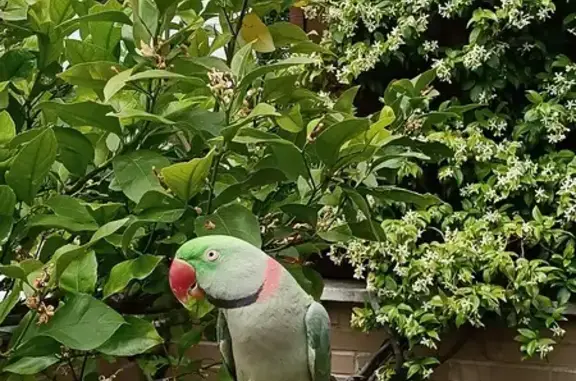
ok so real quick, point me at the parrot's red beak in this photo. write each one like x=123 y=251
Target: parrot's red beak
x=183 y=282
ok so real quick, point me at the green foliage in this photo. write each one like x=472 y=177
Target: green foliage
x=117 y=148
x=502 y=246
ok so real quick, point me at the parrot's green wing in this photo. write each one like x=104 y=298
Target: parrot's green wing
x=318 y=334
x=225 y=344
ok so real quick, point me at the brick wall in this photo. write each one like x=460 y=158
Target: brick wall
x=486 y=355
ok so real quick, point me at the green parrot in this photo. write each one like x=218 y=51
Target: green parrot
x=269 y=328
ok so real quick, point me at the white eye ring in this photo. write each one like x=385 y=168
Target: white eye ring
x=212 y=255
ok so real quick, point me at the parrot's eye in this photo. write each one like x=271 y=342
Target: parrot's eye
x=212 y=255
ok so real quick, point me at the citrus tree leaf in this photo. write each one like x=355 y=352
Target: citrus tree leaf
x=83 y=323
x=124 y=272
x=81 y=274
x=187 y=179
x=135 y=337
x=31 y=166
x=135 y=172
x=233 y=220
x=86 y=113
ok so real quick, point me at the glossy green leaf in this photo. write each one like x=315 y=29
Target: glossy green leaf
x=124 y=272
x=7 y=128
x=156 y=206
x=104 y=16
x=61 y=222
x=345 y=102
x=116 y=84
x=292 y=120
x=10 y=301
x=233 y=220
x=263 y=70
x=31 y=166
x=83 y=323
x=146 y=16
x=241 y=60
x=135 y=172
x=330 y=140
x=135 y=337
x=86 y=113
x=187 y=179
x=286 y=33
x=16 y=64
x=61 y=11
x=30 y=365
x=75 y=151
x=70 y=207
x=108 y=229
x=78 y=52
x=136 y=115
x=92 y=75
x=20 y=270
x=81 y=274
x=7 y=201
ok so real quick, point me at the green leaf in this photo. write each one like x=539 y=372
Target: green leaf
x=132 y=114
x=163 y=74
x=384 y=120
x=70 y=207
x=528 y=333
x=135 y=172
x=422 y=81
x=16 y=64
x=110 y=16
x=291 y=121
x=232 y=220
x=241 y=60
x=534 y=97
x=31 y=365
x=61 y=222
x=78 y=52
x=187 y=179
x=133 y=338
x=7 y=128
x=81 y=274
x=7 y=201
x=116 y=84
x=262 y=70
x=391 y=193
x=31 y=166
x=92 y=75
x=81 y=114
x=107 y=230
x=330 y=141
x=124 y=272
x=345 y=102
x=61 y=11
x=10 y=301
x=75 y=151
x=157 y=206
x=20 y=270
x=260 y=110
x=83 y=323
x=286 y=33
x=146 y=16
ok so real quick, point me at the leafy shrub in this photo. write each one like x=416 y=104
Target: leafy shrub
x=116 y=148
x=502 y=245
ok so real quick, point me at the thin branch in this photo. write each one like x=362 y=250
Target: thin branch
x=373 y=364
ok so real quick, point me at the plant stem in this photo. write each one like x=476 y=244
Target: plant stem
x=215 y=166
x=89 y=176
x=232 y=44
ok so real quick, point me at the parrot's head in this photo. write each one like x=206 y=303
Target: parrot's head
x=228 y=270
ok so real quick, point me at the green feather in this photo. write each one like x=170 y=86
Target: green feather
x=225 y=344
x=318 y=334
